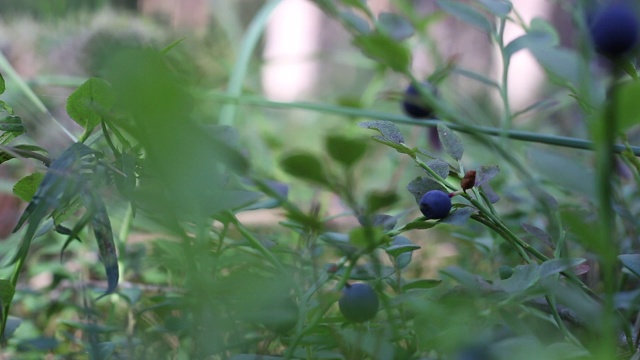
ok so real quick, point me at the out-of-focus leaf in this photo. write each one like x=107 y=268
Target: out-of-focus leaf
x=387 y=222
x=397 y=26
x=305 y=166
x=12 y=325
x=450 y=141
x=555 y=266
x=366 y=237
x=491 y=195
x=88 y=102
x=38 y=344
x=421 y=284
x=539 y=234
x=377 y=200
x=400 y=251
x=523 y=278
x=345 y=150
x=355 y=21
x=2 y=84
x=499 y=8
x=542 y=36
x=561 y=62
x=627 y=105
x=7 y=290
x=486 y=173
x=631 y=262
x=169 y=47
x=466 y=14
x=563 y=171
x=339 y=241
x=384 y=49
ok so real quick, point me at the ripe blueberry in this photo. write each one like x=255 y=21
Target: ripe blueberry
x=359 y=302
x=614 y=28
x=413 y=104
x=435 y=204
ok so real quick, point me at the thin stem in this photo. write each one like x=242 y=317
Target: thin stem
x=6 y=68
x=247 y=48
x=563 y=141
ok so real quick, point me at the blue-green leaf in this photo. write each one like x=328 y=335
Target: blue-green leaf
x=450 y=141
x=466 y=14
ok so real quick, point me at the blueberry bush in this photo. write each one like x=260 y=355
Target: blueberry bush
x=488 y=240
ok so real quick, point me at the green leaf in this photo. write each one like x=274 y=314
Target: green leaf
x=478 y=77
x=88 y=102
x=555 y=266
x=400 y=251
x=384 y=49
x=358 y=4
x=377 y=200
x=305 y=166
x=563 y=171
x=104 y=236
x=631 y=262
x=169 y=47
x=561 y=62
x=338 y=240
x=355 y=21
x=627 y=105
x=539 y=234
x=541 y=34
x=440 y=167
x=486 y=173
x=26 y=187
x=466 y=14
x=450 y=141
x=420 y=185
x=12 y=123
x=13 y=323
x=389 y=130
x=346 y=150
x=7 y=290
x=524 y=277
x=396 y=250
x=419 y=225
x=2 y=84
x=397 y=26
x=421 y=284
x=459 y=217
x=628 y=66
x=366 y=237
x=387 y=222
x=499 y=8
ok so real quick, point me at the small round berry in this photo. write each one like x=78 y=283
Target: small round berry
x=614 y=28
x=435 y=204
x=359 y=302
x=414 y=105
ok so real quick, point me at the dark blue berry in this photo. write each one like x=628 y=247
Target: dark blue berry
x=614 y=29
x=414 y=105
x=359 y=302
x=435 y=204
